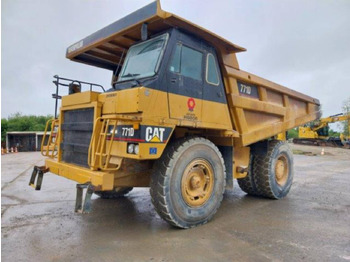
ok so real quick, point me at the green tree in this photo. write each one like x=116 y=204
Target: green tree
x=333 y=133
x=292 y=133
x=19 y=122
x=4 y=127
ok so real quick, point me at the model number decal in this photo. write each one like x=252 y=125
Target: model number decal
x=128 y=131
x=247 y=90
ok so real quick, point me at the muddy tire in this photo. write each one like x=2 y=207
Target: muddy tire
x=273 y=172
x=247 y=184
x=113 y=194
x=188 y=182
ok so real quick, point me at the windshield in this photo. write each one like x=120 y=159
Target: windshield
x=143 y=59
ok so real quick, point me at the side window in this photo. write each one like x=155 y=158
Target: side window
x=175 y=61
x=212 y=75
x=191 y=63
x=187 y=62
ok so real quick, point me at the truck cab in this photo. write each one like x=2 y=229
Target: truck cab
x=184 y=67
x=171 y=61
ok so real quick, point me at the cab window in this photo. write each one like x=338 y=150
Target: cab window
x=187 y=62
x=212 y=75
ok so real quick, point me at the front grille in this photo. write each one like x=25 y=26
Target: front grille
x=77 y=131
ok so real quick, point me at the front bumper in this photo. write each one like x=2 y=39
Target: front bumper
x=102 y=181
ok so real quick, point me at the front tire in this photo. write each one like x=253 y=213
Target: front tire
x=188 y=182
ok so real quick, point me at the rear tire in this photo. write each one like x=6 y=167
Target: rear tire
x=273 y=172
x=188 y=182
x=113 y=194
x=247 y=184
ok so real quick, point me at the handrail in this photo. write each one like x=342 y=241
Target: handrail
x=92 y=143
x=101 y=121
x=69 y=83
x=78 y=81
x=98 y=151
x=54 y=123
x=44 y=137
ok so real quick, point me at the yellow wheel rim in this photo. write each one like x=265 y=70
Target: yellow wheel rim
x=197 y=182
x=281 y=170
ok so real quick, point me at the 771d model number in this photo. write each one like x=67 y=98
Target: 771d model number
x=128 y=131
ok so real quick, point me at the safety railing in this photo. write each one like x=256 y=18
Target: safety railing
x=99 y=151
x=73 y=85
x=105 y=128
x=49 y=143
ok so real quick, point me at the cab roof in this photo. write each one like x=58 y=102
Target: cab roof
x=107 y=47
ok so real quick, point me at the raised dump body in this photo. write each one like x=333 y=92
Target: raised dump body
x=180 y=118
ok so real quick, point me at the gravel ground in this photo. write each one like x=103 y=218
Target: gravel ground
x=311 y=223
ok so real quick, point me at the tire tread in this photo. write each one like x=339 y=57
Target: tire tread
x=247 y=184
x=159 y=179
x=261 y=168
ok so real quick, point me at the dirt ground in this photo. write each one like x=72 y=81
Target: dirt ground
x=312 y=223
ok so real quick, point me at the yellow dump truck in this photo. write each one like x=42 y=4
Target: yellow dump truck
x=180 y=117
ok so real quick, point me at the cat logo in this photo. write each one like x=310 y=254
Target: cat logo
x=155 y=134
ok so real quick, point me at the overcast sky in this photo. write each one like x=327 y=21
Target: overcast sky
x=304 y=45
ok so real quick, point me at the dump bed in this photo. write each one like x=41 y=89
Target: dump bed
x=259 y=108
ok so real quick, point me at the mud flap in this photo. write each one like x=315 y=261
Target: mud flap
x=83 y=206
x=38 y=171
x=227 y=154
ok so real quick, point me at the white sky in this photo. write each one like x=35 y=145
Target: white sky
x=304 y=45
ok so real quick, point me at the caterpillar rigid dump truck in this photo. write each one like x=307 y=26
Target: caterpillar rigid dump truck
x=180 y=118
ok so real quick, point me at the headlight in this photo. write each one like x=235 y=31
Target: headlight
x=136 y=149
x=131 y=148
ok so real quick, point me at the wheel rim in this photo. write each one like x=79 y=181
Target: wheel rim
x=281 y=170
x=197 y=182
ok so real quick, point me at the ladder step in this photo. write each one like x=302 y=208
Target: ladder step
x=100 y=154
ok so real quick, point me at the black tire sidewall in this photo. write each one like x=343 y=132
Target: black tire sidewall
x=196 y=215
x=278 y=190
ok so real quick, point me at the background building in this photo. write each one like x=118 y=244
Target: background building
x=24 y=140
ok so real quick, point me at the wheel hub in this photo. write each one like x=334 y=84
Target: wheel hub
x=281 y=170
x=197 y=182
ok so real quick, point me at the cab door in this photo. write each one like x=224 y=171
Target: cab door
x=215 y=111
x=185 y=82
